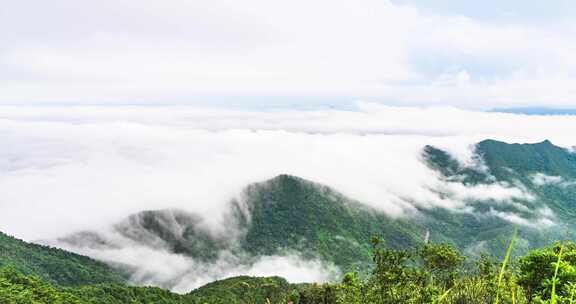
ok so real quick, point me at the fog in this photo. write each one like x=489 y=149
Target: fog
x=66 y=169
x=151 y=266
x=71 y=168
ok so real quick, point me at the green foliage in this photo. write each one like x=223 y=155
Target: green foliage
x=435 y=273
x=288 y=213
x=244 y=289
x=54 y=265
x=442 y=262
x=545 y=268
x=19 y=289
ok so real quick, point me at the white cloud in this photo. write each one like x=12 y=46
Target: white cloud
x=71 y=168
x=182 y=274
x=146 y=51
x=542 y=222
x=542 y=179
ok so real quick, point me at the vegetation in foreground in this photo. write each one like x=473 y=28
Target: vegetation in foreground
x=432 y=274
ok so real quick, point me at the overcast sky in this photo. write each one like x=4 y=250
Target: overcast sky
x=470 y=54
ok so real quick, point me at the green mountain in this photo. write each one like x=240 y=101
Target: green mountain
x=282 y=216
x=31 y=273
x=507 y=161
x=543 y=171
x=288 y=214
x=243 y=289
x=16 y=288
x=54 y=265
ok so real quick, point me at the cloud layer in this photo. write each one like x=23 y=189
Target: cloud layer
x=66 y=169
x=70 y=168
x=202 y=51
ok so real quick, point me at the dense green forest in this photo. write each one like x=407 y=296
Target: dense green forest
x=53 y=265
x=432 y=273
x=296 y=214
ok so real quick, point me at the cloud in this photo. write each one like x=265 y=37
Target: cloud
x=196 y=51
x=546 y=220
x=182 y=274
x=74 y=168
x=542 y=179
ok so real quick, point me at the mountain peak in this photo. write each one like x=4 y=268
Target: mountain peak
x=545 y=142
x=287 y=178
x=527 y=158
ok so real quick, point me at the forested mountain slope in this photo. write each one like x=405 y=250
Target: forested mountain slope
x=542 y=171
x=280 y=216
x=54 y=265
x=290 y=213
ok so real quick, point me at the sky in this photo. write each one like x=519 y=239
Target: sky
x=295 y=54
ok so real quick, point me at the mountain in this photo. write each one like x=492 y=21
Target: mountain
x=55 y=265
x=282 y=216
x=543 y=171
x=31 y=273
x=536 y=111
x=243 y=289
x=508 y=161
x=546 y=170
x=177 y=231
x=16 y=288
x=288 y=214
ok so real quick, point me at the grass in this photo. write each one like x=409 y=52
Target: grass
x=554 y=279
x=504 y=264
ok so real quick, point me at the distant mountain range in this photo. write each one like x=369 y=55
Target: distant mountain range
x=537 y=111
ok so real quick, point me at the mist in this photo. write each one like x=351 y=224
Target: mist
x=68 y=169
x=74 y=168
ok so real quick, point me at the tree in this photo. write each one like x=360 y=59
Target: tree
x=442 y=263
x=537 y=271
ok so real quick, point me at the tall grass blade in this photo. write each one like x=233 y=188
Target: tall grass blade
x=443 y=296
x=553 y=294
x=504 y=264
x=572 y=290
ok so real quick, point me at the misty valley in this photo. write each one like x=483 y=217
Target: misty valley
x=493 y=228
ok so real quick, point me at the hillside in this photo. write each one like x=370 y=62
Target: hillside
x=31 y=273
x=430 y=274
x=541 y=170
x=54 y=265
x=18 y=288
x=281 y=216
x=290 y=213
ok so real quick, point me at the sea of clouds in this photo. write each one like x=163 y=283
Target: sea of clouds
x=71 y=168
